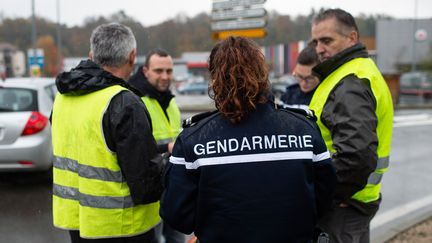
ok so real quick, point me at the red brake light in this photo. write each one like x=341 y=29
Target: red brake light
x=35 y=123
x=25 y=162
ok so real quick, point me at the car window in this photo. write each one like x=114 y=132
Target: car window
x=17 y=99
x=51 y=90
x=416 y=80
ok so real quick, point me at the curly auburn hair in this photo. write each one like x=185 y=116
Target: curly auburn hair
x=239 y=77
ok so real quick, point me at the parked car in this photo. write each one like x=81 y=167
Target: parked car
x=416 y=83
x=25 y=131
x=193 y=88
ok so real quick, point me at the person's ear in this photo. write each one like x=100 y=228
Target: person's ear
x=90 y=55
x=354 y=37
x=145 y=70
x=132 y=57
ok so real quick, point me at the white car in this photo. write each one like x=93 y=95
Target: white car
x=25 y=131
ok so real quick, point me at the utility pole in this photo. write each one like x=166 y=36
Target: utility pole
x=413 y=61
x=59 y=41
x=34 y=33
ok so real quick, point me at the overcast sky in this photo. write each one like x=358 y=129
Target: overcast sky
x=150 y=12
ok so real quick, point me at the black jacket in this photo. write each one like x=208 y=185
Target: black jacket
x=126 y=129
x=349 y=114
x=143 y=87
x=256 y=181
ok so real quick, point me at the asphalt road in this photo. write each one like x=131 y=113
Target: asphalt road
x=25 y=204
x=25 y=209
x=406 y=187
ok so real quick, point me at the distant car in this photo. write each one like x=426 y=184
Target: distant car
x=25 y=131
x=193 y=88
x=416 y=83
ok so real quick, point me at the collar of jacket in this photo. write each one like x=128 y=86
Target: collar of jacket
x=85 y=78
x=144 y=88
x=328 y=66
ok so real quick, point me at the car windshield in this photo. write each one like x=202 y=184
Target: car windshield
x=17 y=99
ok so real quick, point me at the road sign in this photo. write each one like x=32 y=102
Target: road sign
x=238 y=17
x=39 y=60
x=420 y=35
x=242 y=13
x=250 y=33
x=235 y=3
x=249 y=23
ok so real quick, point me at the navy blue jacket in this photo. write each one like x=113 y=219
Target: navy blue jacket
x=263 y=180
x=295 y=97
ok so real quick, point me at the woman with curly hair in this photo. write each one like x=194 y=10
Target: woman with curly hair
x=248 y=172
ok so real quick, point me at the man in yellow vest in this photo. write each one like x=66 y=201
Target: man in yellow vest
x=107 y=170
x=152 y=82
x=354 y=109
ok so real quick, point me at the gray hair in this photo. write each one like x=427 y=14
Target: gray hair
x=111 y=44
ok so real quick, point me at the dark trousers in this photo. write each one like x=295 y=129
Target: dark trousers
x=148 y=237
x=169 y=234
x=346 y=224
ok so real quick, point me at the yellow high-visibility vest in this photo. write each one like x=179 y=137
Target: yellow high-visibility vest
x=164 y=130
x=90 y=193
x=363 y=68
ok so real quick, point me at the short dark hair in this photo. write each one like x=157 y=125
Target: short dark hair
x=308 y=56
x=158 y=51
x=346 y=20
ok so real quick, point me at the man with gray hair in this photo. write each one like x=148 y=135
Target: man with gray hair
x=354 y=112
x=107 y=170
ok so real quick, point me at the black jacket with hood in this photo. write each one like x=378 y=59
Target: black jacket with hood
x=126 y=129
x=349 y=114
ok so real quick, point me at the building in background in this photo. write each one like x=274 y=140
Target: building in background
x=12 y=61
x=401 y=41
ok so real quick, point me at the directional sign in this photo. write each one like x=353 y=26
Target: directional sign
x=39 y=60
x=235 y=3
x=238 y=17
x=242 y=13
x=239 y=24
x=250 y=33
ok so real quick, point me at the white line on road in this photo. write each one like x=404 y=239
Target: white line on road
x=412 y=120
x=417 y=117
x=398 y=212
x=413 y=123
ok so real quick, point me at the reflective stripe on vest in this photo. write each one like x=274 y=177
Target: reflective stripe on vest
x=164 y=130
x=92 y=201
x=363 y=68
x=89 y=191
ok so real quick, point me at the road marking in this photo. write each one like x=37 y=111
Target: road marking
x=412 y=120
x=401 y=211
